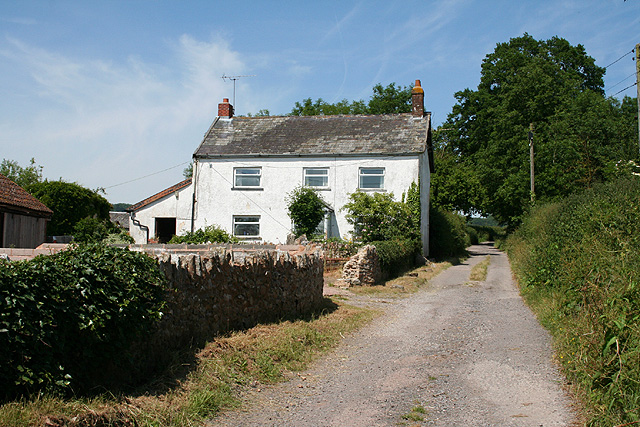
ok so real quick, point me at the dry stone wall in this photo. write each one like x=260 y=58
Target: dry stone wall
x=219 y=289
x=362 y=269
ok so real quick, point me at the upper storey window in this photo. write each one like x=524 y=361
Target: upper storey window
x=247 y=177
x=316 y=177
x=371 y=179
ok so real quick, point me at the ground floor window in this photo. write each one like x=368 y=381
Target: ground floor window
x=246 y=225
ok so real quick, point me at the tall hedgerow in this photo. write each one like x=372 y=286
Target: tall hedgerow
x=578 y=263
x=68 y=320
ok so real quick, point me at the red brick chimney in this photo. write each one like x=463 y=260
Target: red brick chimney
x=225 y=110
x=417 y=100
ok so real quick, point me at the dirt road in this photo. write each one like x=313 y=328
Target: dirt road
x=453 y=354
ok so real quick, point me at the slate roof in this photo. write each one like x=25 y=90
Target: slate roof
x=391 y=134
x=120 y=218
x=164 y=193
x=15 y=198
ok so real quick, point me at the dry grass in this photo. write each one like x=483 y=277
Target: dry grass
x=408 y=283
x=479 y=271
x=222 y=369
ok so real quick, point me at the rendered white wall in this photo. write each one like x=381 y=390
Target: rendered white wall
x=218 y=201
x=176 y=205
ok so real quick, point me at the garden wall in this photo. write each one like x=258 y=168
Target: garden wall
x=215 y=289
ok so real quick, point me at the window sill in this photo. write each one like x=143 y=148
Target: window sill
x=248 y=237
x=247 y=189
x=378 y=190
x=320 y=188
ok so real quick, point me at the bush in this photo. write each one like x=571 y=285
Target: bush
x=338 y=248
x=306 y=210
x=210 y=234
x=90 y=230
x=94 y=230
x=474 y=237
x=397 y=255
x=486 y=233
x=378 y=216
x=578 y=263
x=67 y=320
x=447 y=234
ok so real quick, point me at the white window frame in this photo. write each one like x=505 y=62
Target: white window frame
x=246 y=236
x=306 y=175
x=362 y=174
x=237 y=173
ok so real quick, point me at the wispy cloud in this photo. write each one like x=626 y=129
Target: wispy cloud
x=19 y=21
x=89 y=109
x=340 y=24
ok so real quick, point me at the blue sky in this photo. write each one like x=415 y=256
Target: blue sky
x=118 y=94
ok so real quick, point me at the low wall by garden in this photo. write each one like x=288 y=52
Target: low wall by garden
x=215 y=289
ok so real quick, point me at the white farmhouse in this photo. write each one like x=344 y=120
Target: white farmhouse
x=245 y=167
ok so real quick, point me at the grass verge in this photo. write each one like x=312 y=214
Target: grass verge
x=479 y=271
x=264 y=354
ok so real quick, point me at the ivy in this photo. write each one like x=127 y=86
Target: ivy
x=67 y=321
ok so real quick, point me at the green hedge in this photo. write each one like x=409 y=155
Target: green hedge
x=484 y=233
x=67 y=320
x=210 y=234
x=396 y=256
x=447 y=234
x=578 y=263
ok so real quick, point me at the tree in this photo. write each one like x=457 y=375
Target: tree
x=188 y=171
x=261 y=113
x=306 y=210
x=391 y=99
x=23 y=176
x=120 y=207
x=455 y=185
x=70 y=203
x=558 y=88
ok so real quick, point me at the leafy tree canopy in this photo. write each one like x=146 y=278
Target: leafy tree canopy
x=70 y=203
x=578 y=133
x=23 y=176
x=391 y=99
x=120 y=207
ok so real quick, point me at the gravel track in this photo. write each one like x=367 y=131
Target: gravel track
x=468 y=353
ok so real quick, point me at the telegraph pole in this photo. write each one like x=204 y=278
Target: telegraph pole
x=533 y=188
x=638 y=88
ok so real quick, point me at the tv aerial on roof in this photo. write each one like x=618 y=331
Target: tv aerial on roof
x=234 y=78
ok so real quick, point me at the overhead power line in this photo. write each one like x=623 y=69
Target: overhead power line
x=622 y=90
x=146 y=176
x=631 y=51
x=623 y=80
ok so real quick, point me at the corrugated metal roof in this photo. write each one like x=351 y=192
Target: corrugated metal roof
x=14 y=196
x=391 y=134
